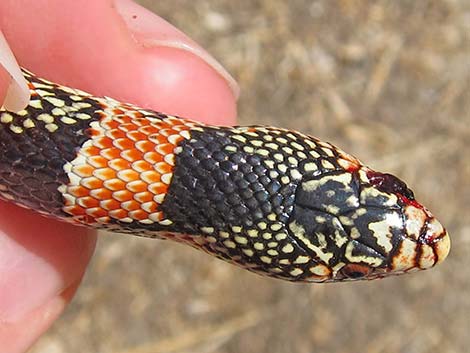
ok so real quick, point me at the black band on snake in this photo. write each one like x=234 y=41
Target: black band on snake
x=273 y=201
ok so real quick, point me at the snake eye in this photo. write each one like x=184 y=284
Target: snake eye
x=355 y=271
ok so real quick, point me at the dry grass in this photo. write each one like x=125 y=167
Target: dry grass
x=387 y=80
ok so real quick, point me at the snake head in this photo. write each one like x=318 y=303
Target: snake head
x=362 y=224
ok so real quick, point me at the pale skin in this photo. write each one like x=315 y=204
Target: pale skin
x=112 y=48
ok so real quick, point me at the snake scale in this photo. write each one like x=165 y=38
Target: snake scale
x=273 y=201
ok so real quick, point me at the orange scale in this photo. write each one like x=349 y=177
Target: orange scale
x=143 y=197
x=145 y=145
x=111 y=124
x=138 y=215
x=74 y=210
x=118 y=214
x=117 y=111
x=114 y=184
x=101 y=194
x=122 y=119
x=165 y=148
x=153 y=157
x=163 y=168
x=150 y=177
x=96 y=212
x=128 y=127
x=105 y=173
x=94 y=132
x=131 y=205
x=136 y=135
x=158 y=139
x=97 y=161
x=115 y=134
x=141 y=166
x=91 y=183
x=128 y=175
x=158 y=188
x=123 y=195
x=136 y=186
x=77 y=190
x=110 y=153
x=149 y=129
x=83 y=170
x=141 y=121
x=124 y=143
x=88 y=202
x=168 y=132
x=149 y=207
x=90 y=151
x=103 y=142
x=156 y=217
x=110 y=204
x=119 y=164
x=131 y=155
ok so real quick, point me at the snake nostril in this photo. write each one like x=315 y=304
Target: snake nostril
x=390 y=183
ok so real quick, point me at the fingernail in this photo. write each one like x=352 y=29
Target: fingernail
x=17 y=96
x=151 y=30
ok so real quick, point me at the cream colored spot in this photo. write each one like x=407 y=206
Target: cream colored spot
x=266 y=259
x=55 y=101
x=287 y=249
x=224 y=234
x=48 y=119
x=258 y=246
x=280 y=236
x=28 y=123
x=310 y=167
x=241 y=240
x=230 y=244
x=236 y=229
x=207 y=230
x=295 y=174
x=248 y=149
x=36 y=103
x=6 y=118
x=320 y=270
x=301 y=259
x=248 y=252
x=296 y=272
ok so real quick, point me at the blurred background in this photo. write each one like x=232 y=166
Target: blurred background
x=388 y=81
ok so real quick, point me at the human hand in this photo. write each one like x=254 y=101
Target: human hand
x=112 y=48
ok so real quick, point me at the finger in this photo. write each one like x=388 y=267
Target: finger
x=121 y=50
x=190 y=77
x=18 y=336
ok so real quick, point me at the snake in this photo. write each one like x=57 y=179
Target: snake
x=276 y=202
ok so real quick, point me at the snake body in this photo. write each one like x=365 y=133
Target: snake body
x=274 y=201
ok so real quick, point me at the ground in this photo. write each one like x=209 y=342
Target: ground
x=389 y=81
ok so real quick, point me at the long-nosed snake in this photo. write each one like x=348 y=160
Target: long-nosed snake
x=274 y=201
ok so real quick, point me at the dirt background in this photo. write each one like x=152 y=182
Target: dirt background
x=389 y=81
